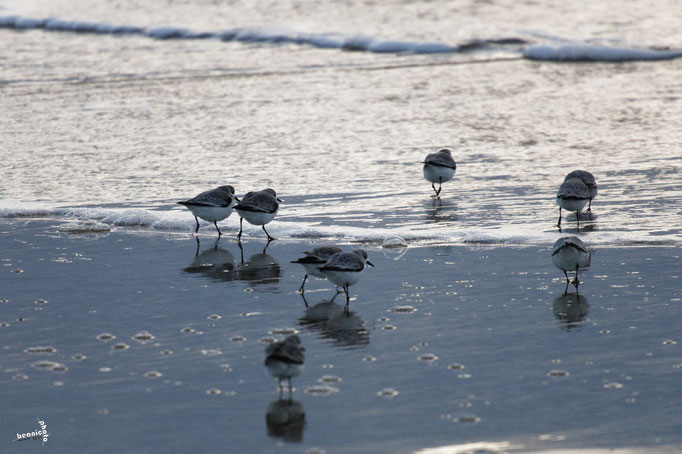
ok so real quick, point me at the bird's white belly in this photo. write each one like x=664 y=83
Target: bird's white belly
x=210 y=214
x=280 y=369
x=256 y=217
x=341 y=278
x=437 y=174
x=568 y=258
x=572 y=204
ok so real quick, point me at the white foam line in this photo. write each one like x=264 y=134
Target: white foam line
x=321 y=40
x=182 y=221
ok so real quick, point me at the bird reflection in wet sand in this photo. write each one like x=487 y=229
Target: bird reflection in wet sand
x=260 y=268
x=335 y=322
x=570 y=254
x=284 y=360
x=571 y=309
x=214 y=262
x=344 y=269
x=315 y=259
x=436 y=210
x=285 y=419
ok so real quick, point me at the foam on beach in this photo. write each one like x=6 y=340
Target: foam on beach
x=564 y=52
x=98 y=220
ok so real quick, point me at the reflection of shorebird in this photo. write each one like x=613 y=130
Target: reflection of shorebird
x=260 y=268
x=572 y=195
x=571 y=309
x=313 y=260
x=344 y=269
x=570 y=254
x=333 y=321
x=285 y=419
x=439 y=168
x=588 y=180
x=212 y=206
x=215 y=262
x=284 y=360
x=258 y=208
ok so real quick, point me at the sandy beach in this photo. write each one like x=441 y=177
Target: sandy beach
x=132 y=339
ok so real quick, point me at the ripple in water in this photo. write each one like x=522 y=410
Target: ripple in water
x=558 y=373
x=330 y=379
x=106 y=337
x=321 y=390
x=47 y=350
x=50 y=365
x=428 y=357
x=143 y=337
x=387 y=393
x=407 y=309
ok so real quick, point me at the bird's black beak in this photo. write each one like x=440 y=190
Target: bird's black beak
x=370 y=263
x=278 y=199
x=237 y=199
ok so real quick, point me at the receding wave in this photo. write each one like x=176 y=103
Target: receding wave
x=570 y=52
x=98 y=220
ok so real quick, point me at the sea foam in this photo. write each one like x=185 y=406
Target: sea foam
x=179 y=221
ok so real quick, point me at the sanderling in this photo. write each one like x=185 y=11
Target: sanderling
x=439 y=168
x=344 y=269
x=284 y=359
x=588 y=180
x=572 y=195
x=258 y=208
x=212 y=206
x=313 y=260
x=570 y=254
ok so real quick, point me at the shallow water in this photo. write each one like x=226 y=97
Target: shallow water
x=444 y=345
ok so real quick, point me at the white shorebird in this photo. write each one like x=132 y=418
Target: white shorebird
x=439 y=168
x=212 y=206
x=572 y=195
x=313 y=260
x=588 y=180
x=258 y=208
x=344 y=269
x=284 y=359
x=570 y=254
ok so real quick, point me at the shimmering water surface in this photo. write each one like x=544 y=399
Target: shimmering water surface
x=161 y=347
x=131 y=336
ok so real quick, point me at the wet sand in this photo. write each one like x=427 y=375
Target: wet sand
x=444 y=345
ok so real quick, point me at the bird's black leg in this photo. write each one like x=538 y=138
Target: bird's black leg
x=576 y=282
x=567 y=279
x=559 y=223
x=239 y=235
x=440 y=186
x=433 y=185
x=216 y=227
x=566 y=288
x=577 y=218
x=589 y=207
x=266 y=232
x=345 y=288
x=197 y=229
x=301 y=289
x=196 y=254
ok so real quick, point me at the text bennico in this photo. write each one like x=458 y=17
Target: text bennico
x=36 y=434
